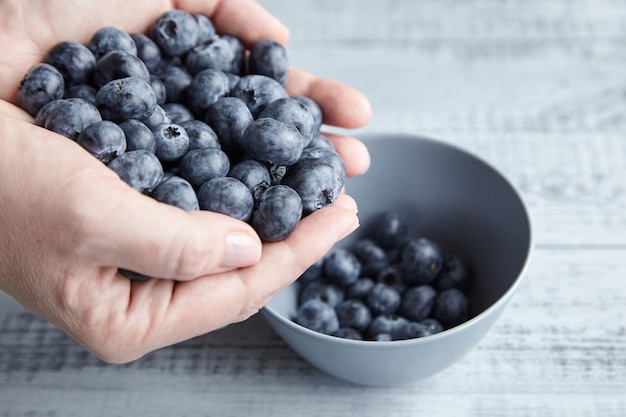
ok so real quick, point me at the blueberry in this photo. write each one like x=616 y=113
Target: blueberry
x=314 y=109
x=315 y=181
x=292 y=111
x=176 y=80
x=318 y=316
x=119 y=64
x=105 y=140
x=269 y=58
x=354 y=314
x=411 y=330
x=108 y=39
x=454 y=274
x=312 y=273
x=372 y=257
x=277 y=172
x=157 y=117
x=421 y=261
x=206 y=88
x=254 y=174
x=239 y=62
x=277 y=213
x=147 y=50
x=392 y=275
x=126 y=98
x=140 y=169
x=138 y=136
x=70 y=116
x=322 y=291
x=178 y=112
x=176 y=191
x=417 y=302
x=451 y=308
x=341 y=267
x=360 y=288
x=385 y=324
x=159 y=89
x=383 y=299
x=175 y=31
x=432 y=325
x=391 y=229
x=216 y=53
x=257 y=91
x=172 y=141
x=348 y=333
x=229 y=117
x=201 y=165
x=206 y=30
x=84 y=91
x=273 y=141
x=228 y=196
x=73 y=60
x=42 y=114
x=319 y=140
x=42 y=84
x=200 y=134
x=330 y=157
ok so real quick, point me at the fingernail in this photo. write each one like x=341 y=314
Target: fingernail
x=241 y=250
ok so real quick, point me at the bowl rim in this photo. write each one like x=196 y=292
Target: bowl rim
x=497 y=304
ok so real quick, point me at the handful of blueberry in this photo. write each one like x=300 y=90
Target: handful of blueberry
x=387 y=286
x=192 y=119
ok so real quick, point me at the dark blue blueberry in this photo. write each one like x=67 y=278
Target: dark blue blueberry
x=292 y=111
x=42 y=84
x=119 y=64
x=360 y=288
x=172 y=141
x=382 y=337
x=206 y=88
x=318 y=316
x=42 y=114
x=277 y=172
x=157 y=117
x=322 y=291
x=254 y=174
x=229 y=117
x=70 y=116
x=314 y=108
x=147 y=50
x=84 y=91
x=159 y=89
x=372 y=257
x=330 y=157
x=201 y=165
x=200 y=134
x=454 y=274
x=432 y=325
x=315 y=181
x=175 y=31
x=176 y=80
x=277 y=213
x=417 y=302
x=105 y=140
x=126 y=98
x=216 y=53
x=411 y=330
x=421 y=261
x=206 y=30
x=109 y=39
x=319 y=140
x=348 y=333
x=312 y=273
x=73 y=60
x=391 y=229
x=226 y=195
x=132 y=275
x=140 y=169
x=257 y=91
x=240 y=61
x=451 y=308
x=233 y=79
x=354 y=314
x=176 y=191
x=385 y=324
x=138 y=136
x=273 y=141
x=178 y=112
x=383 y=299
x=392 y=275
x=269 y=58
x=341 y=267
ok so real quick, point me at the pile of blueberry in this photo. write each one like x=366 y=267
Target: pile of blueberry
x=192 y=119
x=386 y=286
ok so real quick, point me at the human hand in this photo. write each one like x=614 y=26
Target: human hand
x=69 y=223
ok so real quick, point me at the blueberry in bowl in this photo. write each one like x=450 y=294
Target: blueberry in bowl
x=444 y=242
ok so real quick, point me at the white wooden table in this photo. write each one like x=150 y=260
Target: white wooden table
x=538 y=88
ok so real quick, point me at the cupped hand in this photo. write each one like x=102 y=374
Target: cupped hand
x=69 y=224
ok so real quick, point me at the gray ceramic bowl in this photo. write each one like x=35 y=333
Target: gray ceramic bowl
x=454 y=198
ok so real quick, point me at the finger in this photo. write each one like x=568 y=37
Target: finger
x=354 y=153
x=342 y=105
